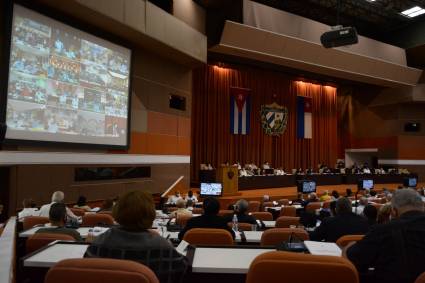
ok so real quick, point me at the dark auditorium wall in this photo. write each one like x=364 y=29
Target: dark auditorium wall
x=363 y=123
x=156 y=129
x=211 y=138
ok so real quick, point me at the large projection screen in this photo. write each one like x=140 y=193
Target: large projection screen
x=65 y=85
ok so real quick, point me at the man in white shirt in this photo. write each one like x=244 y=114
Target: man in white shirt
x=57 y=196
x=174 y=198
x=190 y=196
x=362 y=203
x=243 y=173
x=28 y=210
x=266 y=165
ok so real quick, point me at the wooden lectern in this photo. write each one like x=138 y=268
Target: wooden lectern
x=228 y=176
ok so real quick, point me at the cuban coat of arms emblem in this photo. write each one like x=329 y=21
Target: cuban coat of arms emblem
x=274 y=118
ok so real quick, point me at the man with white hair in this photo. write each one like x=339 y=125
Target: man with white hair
x=395 y=250
x=57 y=197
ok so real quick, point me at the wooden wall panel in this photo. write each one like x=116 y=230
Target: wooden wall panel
x=160 y=123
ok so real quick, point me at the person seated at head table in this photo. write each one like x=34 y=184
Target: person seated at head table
x=279 y=171
x=266 y=165
x=360 y=206
x=133 y=239
x=344 y=223
x=82 y=204
x=309 y=171
x=28 y=209
x=57 y=218
x=209 y=219
x=181 y=209
x=210 y=167
x=57 y=197
x=241 y=209
x=395 y=250
x=325 y=196
x=191 y=196
x=251 y=166
x=238 y=164
x=174 y=198
x=243 y=173
x=107 y=205
x=203 y=166
x=299 y=171
x=312 y=197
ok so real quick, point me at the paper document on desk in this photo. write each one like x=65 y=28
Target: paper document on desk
x=323 y=248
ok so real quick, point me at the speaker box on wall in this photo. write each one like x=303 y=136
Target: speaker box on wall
x=412 y=127
x=2 y=131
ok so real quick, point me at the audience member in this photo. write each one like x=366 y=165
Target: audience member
x=312 y=197
x=241 y=208
x=82 y=204
x=133 y=240
x=325 y=196
x=209 y=219
x=371 y=213
x=384 y=214
x=299 y=199
x=348 y=192
x=107 y=205
x=173 y=198
x=344 y=223
x=360 y=206
x=181 y=209
x=57 y=218
x=189 y=205
x=335 y=195
x=57 y=197
x=28 y=209
x=191 y=196
x=396 y=250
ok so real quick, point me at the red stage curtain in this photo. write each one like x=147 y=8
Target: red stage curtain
x=211 y=138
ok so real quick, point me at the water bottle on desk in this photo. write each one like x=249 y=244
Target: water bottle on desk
x=235 y=223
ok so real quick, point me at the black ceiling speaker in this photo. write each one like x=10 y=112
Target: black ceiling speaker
x=339 y=37
x=412 y=127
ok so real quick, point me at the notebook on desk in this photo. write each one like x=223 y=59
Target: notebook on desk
x=323 y=248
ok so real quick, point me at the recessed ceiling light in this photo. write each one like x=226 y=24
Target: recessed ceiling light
x=413 y=12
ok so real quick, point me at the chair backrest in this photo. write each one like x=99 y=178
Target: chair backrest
x=288 y=211
x=346 y=239
x=254 y=206
x=286 y=267
x=78 y=211
x=275 y=236
x=326 y=204
x=283 y=201
x=208 y=236
x=90 y=220
x=197 y=210
x=31 y=221
x=105 y=212
x=225 y=212
x=182 y=219
x=39 y=240
x=267 y=204
x=287 y=221
x=88 y=270
x=263 y=216
x=312 y=206
x=421 y=278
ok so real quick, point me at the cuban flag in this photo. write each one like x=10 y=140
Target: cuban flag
x=304 y=124
x=240 y=111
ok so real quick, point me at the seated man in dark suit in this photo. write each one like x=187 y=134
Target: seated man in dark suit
x=241 y=209
x=344 y=223
x=209 y=219
x=395 y=250
x=57 y=217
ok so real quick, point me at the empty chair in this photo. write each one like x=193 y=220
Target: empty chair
x=254 y=206
x=225 y=212
x=208 y=236
x=288 y=211
x=78 y=211
x=267 y=204
x=263 y=216
x=283 y=201
x=346 y=239
x=275 y=236
x=91 y=220
x=287 y=221
x=312 y=206
x=39 y=240
x=31 y=221
x=286 y=267
x=103 y=270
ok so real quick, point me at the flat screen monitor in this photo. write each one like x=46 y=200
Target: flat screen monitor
x=410 y=182
x=211 y=189
x=306 y=186
x=65 y=85
x=366 y=184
